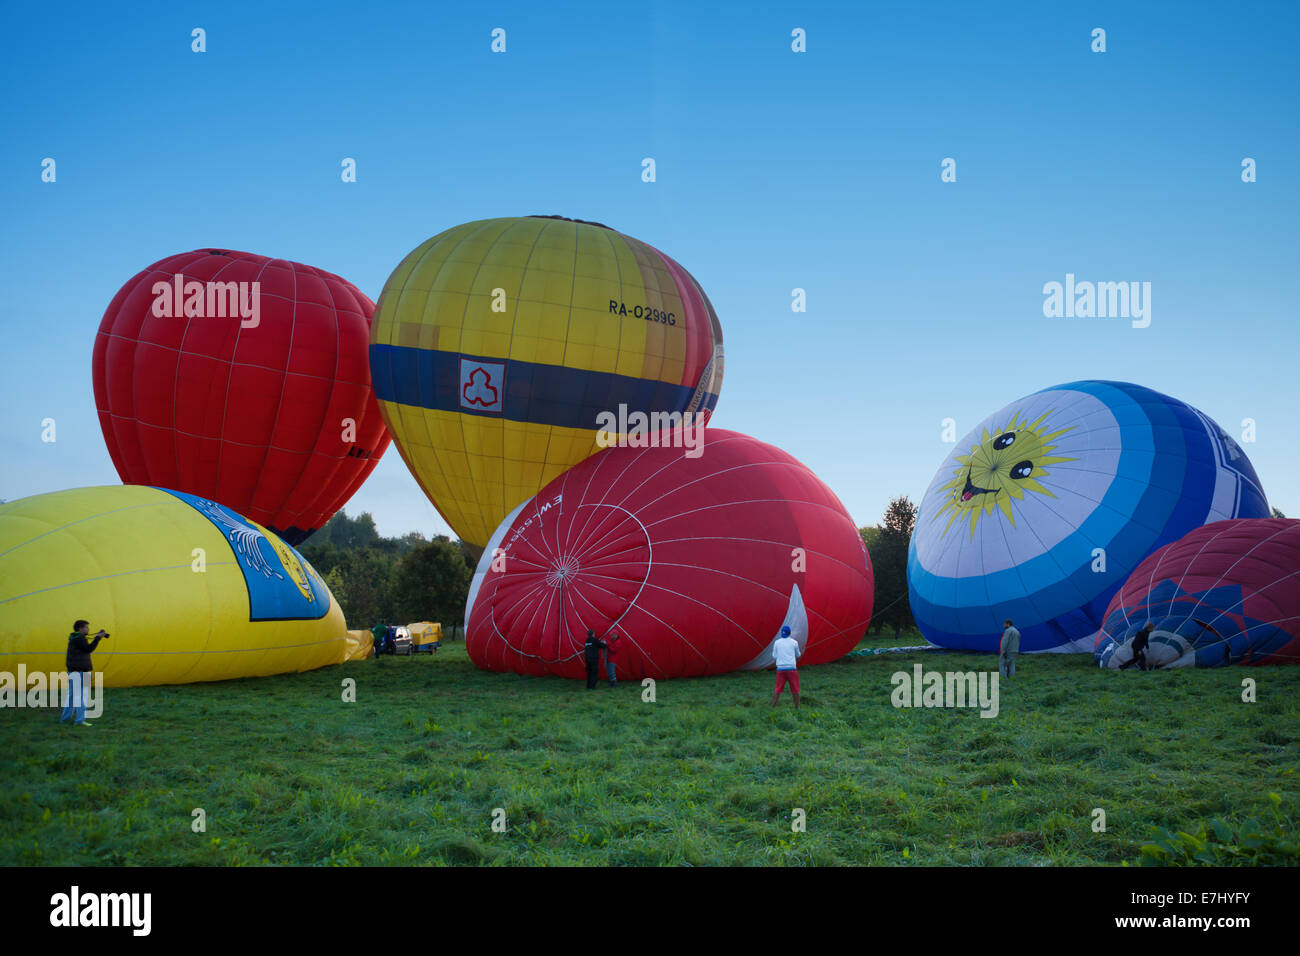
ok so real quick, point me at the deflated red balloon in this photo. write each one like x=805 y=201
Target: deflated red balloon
x=1225 y=593
x=696 y=561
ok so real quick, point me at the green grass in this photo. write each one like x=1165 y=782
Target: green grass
x=708 y=774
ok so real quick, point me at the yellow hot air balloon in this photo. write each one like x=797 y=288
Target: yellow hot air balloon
x=499 y=348
x=187 y=589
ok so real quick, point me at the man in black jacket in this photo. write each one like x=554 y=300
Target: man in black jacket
x=1139 y=648
x=591 y=657
x=79 y=668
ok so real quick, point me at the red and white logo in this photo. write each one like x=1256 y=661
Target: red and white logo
x=482 y=385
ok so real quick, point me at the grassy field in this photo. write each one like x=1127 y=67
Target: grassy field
x=411 y=773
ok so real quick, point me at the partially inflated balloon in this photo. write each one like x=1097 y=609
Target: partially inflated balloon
x=1041 y=512
x=1227 y=593
x=187 y=589
x=242 y=379
x=697 y=561
x=498 y=345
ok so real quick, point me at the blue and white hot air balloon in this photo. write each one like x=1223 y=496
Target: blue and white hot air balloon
x=1043 y=510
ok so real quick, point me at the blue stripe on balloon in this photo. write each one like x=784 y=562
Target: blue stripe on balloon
x=272 y=593
x=1182 y=426
x=536 y=393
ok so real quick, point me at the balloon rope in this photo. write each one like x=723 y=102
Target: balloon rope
x=889 y=605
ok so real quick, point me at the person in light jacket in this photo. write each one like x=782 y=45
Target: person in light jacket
x=1008 y=649
x=786 y=651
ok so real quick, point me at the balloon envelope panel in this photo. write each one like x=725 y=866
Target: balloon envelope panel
x=1040 y=513
x=271 y=414
x=694 y=560
x=1227 y=593
x=244 y=604
x=497 y=344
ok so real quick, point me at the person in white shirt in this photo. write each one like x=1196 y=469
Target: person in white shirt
x=786 y=651
x=1007 y=650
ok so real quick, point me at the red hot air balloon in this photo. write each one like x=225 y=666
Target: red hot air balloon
x=241 y=379
x=696 y=561
x=1224 y=593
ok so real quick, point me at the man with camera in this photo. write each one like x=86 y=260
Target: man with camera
x=79 y=668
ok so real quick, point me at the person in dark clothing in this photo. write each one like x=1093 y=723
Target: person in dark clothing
x=378 y=632
x=79 y=668
x=591 y=657
x=1141 y=641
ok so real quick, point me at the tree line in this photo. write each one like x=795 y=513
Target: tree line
x=887 y=545
x=392 y=580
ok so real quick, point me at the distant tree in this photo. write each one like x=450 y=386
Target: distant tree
x=334 y=581
x=366 y=594
x=393 y=580
x=1277 y=513
x=322 y=536
x=900 y=517
x=431 y=583
x=870 y=537
x=358 y=532
x=405 y=544
x=887 y=544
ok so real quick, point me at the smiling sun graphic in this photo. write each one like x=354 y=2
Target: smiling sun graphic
x=1003 y=465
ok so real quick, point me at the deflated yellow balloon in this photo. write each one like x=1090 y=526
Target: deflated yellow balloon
x=500 y=348
x=187 y=589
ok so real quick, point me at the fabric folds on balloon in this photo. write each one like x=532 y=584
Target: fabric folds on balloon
x=242 y=379
x=500 y=346
x=697 y=561
x=1227 y=593
x=1043 y=510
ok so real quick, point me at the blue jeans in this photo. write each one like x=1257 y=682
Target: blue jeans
x=74 y=705
x=609 y=669
x=1007 y=665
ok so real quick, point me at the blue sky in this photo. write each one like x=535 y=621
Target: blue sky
x=775 y=170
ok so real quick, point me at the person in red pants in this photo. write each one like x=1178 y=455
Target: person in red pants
x=786 y=651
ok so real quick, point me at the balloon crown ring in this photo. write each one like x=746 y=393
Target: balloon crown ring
x=562 y=571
